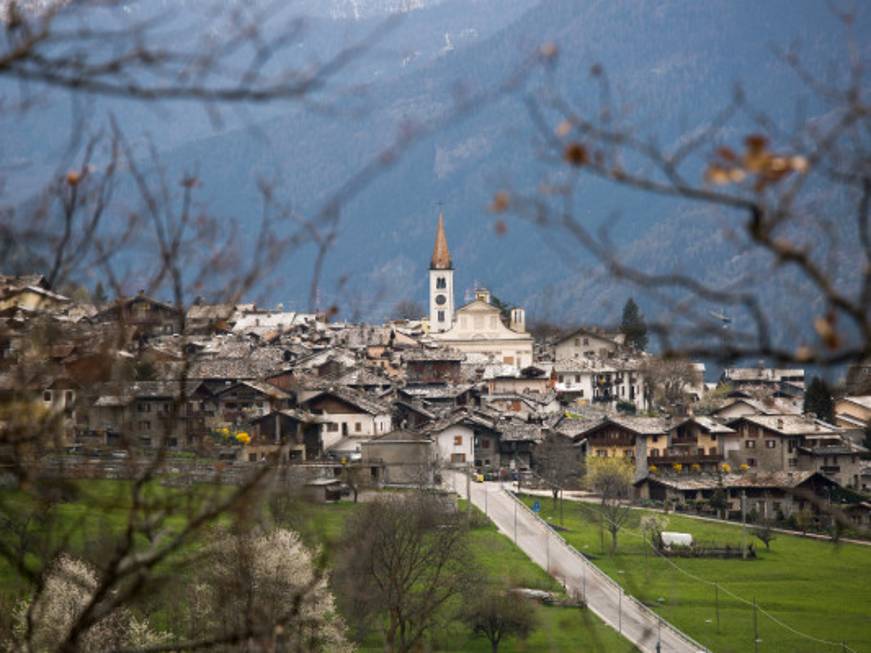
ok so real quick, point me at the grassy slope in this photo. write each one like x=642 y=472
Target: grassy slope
x=101 y=507
x=560 y=629
x=815 y=587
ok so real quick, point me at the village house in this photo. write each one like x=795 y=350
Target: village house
x=433 y=365
x=348 y=415
x=454 y=437
x=588 y=343
x=530 y=379
x=586 y=381
x=32 y=298
x=401 y=458
x=761 y=378
x=794 y=442
x=696 y=440
x=148 y=414
x=853 y=411
x=247 y=400
x=631 y=438
x=768 y=495
x=146 y=316
x=292 y=435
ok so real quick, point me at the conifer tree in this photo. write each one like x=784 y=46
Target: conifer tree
x=818 y=400
x=633 y=326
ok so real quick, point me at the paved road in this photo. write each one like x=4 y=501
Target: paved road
x=580 y=577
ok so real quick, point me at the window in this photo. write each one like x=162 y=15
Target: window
x=357 y=427
x=458 y=440
x=441 y=283
x=712 y=451
x=751 y=462
x=143 y=407
x=577 y=378
x=654 y=453
x=577 y=342
x=790 y=446
x=713 y=437
x=701 y=451
x=793 y=462
x=68 y=397
x=655 y=438
x=46 y=396
x=332 y=426
x=508 y=360
x=581 y=393
x=586 y=341
x=485 y=443
x=145 y=425
x=562 y=379
x=750 y=444
x=771 y=444
x=252 y=457
x=441 y=316
x=458 y=457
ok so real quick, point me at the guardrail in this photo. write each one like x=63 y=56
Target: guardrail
x=656 y=619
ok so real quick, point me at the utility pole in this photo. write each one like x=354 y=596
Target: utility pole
x=620 y=612
x=755 y=628
x=547 y=548
x=469 y=489
x=515 y=520
x=658 y=635
x=744 y=524
x=717 y=602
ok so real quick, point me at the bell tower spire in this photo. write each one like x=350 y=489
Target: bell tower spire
x=441 y=256
x=441 y=282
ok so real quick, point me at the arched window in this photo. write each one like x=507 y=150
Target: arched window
x=441 y=283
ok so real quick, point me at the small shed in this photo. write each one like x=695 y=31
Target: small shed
x=323 y=490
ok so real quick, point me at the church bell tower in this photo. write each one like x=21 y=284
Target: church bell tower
x=441 y=283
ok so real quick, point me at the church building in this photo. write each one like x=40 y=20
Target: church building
x=477 y=327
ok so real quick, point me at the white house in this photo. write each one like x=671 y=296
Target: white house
x=348 y=414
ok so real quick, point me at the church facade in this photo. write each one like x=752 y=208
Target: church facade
x=477 y=327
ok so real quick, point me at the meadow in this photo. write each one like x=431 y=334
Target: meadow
x=817 y=588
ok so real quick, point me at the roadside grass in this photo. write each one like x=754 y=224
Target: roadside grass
x=815 y=587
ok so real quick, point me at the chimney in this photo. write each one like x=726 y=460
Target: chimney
x=518 y=320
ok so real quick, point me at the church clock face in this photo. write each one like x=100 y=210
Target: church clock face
x=440 y=300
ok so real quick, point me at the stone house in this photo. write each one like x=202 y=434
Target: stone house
x=401 y=458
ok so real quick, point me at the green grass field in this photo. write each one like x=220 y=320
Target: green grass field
x=815 y=587
x=560 y=629
x=96 y=508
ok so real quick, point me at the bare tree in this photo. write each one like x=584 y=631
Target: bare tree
x=556 y=461
x=767 y=188
x=407 y=309
x=496 y=614
x=764 y=533
x=667 y=379
x=402 y=560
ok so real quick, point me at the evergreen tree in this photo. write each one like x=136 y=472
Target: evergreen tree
x=99 y=294
x=633 y=326
x=818 y=400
